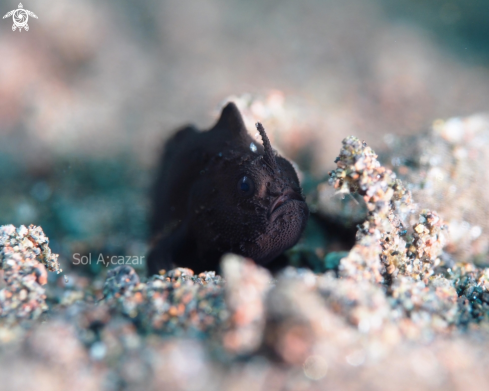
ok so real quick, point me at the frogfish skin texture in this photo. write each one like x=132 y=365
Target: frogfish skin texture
x=216 y=192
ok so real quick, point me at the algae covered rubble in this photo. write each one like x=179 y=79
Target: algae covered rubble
x=399 y=312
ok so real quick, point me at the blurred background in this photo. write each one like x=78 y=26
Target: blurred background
x=89 y=94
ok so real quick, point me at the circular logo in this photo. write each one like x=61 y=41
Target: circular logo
x=20 y=17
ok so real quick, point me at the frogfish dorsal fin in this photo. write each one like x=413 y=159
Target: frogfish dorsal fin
x=231 y=120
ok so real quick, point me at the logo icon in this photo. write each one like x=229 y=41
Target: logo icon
x=20 y=17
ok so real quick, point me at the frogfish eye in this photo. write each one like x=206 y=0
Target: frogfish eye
x=246 y=187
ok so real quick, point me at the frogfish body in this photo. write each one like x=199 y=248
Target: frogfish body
x=219 y=191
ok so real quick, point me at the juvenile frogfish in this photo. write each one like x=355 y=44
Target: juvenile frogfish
x=219 y=191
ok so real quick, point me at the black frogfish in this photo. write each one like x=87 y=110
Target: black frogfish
x=218 y=192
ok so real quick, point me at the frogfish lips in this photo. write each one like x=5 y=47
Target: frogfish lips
x=287 y=218
x=282 y=203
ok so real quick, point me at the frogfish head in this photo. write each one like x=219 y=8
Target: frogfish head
x=249 y=200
